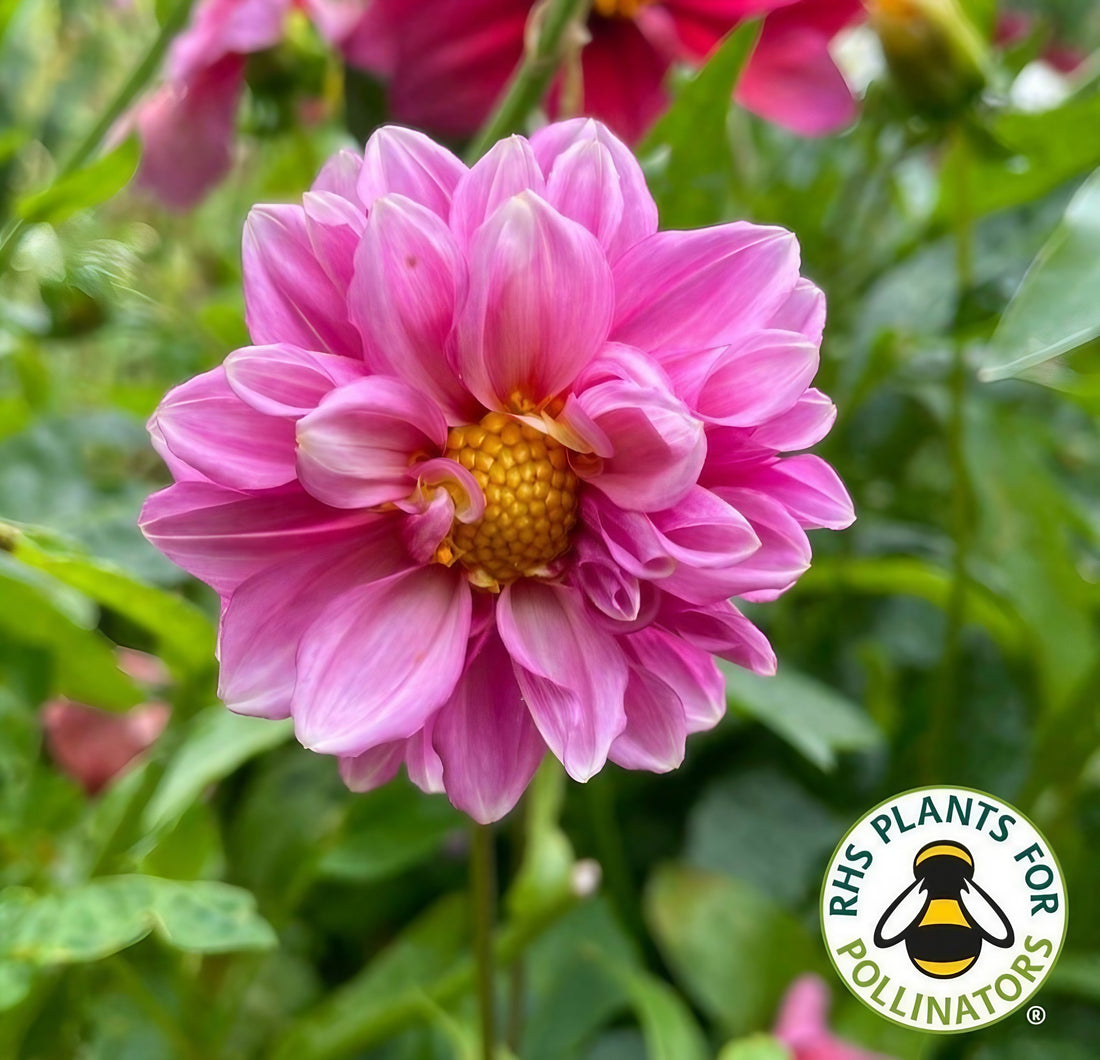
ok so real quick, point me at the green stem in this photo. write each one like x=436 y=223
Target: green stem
x=534 y=74
x=961 y=507
x=93 y=139
x=483 y=899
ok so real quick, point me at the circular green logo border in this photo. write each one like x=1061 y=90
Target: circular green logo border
x=825 y=883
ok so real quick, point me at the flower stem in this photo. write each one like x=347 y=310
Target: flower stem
x=962 y=491
x=483 y=898
x=546 y=43
x=93 y=139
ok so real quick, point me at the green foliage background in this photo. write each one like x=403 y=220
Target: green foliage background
x=228 y=898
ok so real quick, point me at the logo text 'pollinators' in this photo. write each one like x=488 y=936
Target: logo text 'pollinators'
x=943 y=909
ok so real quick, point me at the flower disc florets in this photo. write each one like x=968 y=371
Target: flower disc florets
x=530 y=501
x=499 y=460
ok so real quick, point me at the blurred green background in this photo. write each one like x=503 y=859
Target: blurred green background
x=226 y=897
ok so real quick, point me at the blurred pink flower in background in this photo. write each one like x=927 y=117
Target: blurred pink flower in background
x=187 y=125
x=498 y=460
x=446 y=71
x=1015 y=27
x=802 y=1027
x=94 y=746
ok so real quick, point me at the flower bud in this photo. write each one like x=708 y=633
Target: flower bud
x=934 y=52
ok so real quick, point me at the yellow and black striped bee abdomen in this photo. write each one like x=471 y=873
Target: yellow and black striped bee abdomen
x=944 y=944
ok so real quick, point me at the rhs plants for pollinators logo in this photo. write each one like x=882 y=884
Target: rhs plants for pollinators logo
x=944 y=909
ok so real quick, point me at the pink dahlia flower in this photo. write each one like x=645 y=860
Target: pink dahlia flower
x=445 y=72
x=802 y=1025
x=498 y=460
x=187 y=125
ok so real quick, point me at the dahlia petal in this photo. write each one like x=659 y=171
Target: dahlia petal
x=409 y=275
x=224 y=537
x=791 y=80
x=757 y=381
x=355 y=448
x=608 y=587
x=282 y=380
x=571 y=673
x=704 y=288
x=809 y=488
x=289 y=297
x=186 y=131
x=428 y=524
x=205 y=424
x=373 y=768
x=656 y=732
x=691 y=672
x=507 y=169
x=340 y=176
x=485 y=737
x=539 y=304
x=721 y=630
x=784 y=553
x=422 y=763
x=380 y=660
x=804 y=424
x=702 y=533
x=628 y=105
x=226 y=27
x=334 y=227
x=658 y=446
x=405 y=162
x=639 y=211
x=803 y=311
x=180 y=470
x=444 y=72
x=266 y=616
x=469 y=500
x=584 y=186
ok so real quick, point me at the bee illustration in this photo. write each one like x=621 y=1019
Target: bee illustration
x=943 y=916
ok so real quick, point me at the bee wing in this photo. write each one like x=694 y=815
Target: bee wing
x=904 y=912
x=985 y=914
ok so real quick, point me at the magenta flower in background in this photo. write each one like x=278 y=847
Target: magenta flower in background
x=497 y=462
x=187 y=125
x=802 y=1027
x=445 y=72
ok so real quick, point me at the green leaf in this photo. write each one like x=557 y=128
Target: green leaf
x=1034 y=153
x=813 y=718
x=756 y=1047
x=185 y=636
x=109 y=914
x=1056 y=308
x=87 y=187
x=690 y=142
x=731 y=948
x=763 y=809
x=388 y=830
x=40 y=612
x=378 y=1001
x=907 y=576
x=216 y=743
x=16 y=980
x=670 y=1030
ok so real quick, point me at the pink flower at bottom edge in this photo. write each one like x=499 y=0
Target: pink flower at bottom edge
x=801 y=1024
x=499 y=458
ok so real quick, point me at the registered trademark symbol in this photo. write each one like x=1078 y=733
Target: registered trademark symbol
x=1036 y=1014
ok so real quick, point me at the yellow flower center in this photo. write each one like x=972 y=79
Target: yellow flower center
x=619 y=8
x=530 y=501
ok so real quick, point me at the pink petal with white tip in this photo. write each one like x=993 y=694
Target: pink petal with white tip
x=572 y=674
x=380 y=660
x=485 y=737
x=539 y=305
x=356 y=447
